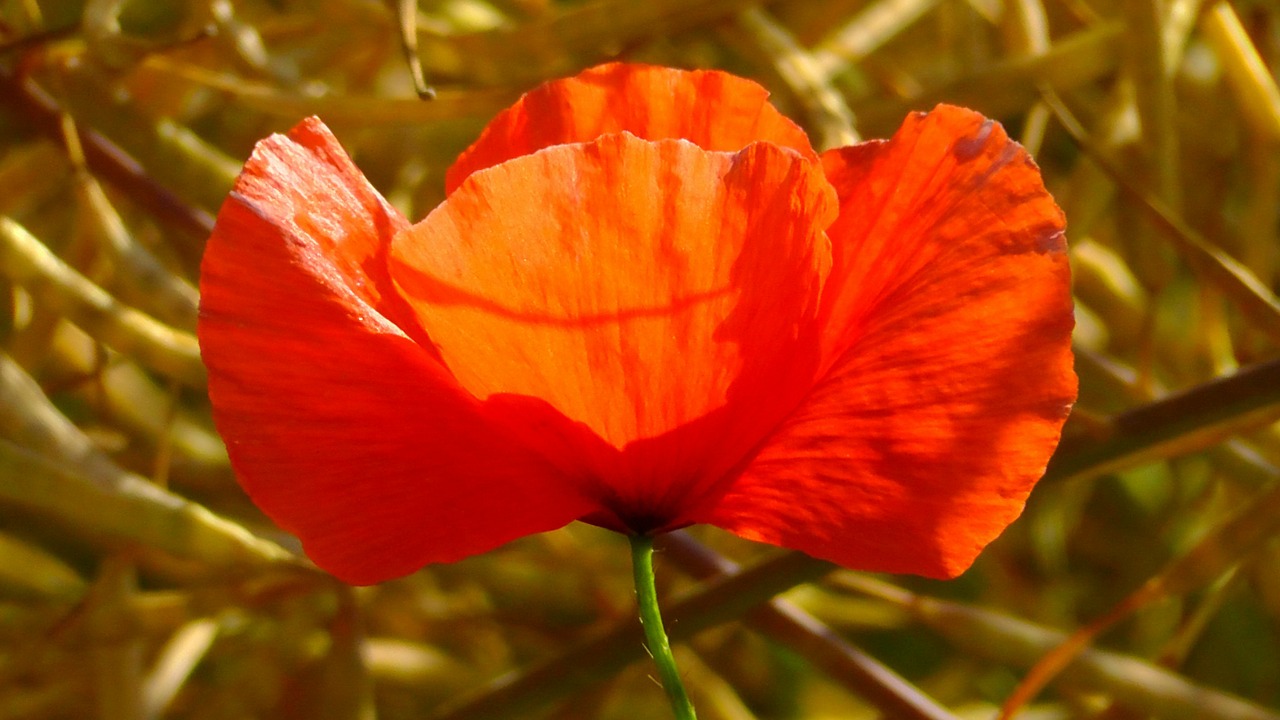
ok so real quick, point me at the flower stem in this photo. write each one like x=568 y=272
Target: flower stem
x=651 y=619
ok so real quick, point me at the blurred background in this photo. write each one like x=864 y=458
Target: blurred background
x=137 y=582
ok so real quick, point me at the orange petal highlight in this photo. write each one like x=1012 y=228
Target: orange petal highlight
x=709 y=108
x=642 y=311
x=340 y=426
x=948 y=319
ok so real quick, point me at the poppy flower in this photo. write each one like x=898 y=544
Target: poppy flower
x=645 y=302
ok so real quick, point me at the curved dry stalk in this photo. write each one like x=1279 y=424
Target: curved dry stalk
x=1246 y=72
x=1009 y=86
x=823 y=104
x=1255 y=301
x=1182 y=423
x=559 y=42
x=872 y=27
x=51 y=470
x=28 y=418
x=601 y=657
x=1006 y=639
x=130 y=510
x=1216 y=553
x=792 y=627
x=110 y=161
x=29 y=263
x=136 y=274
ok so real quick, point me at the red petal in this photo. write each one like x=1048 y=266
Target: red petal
x=651 y=304
x=339 y=424
x=948 y=322
x=711 y=109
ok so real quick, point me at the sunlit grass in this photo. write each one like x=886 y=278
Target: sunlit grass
x=137 y=581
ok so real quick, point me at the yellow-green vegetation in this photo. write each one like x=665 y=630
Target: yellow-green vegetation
x=138 y=582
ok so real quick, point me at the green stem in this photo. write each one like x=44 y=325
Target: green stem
x=651 y=619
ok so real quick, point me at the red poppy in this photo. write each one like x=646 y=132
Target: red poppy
x=645 y=303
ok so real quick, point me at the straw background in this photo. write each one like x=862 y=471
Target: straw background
x=137 y=582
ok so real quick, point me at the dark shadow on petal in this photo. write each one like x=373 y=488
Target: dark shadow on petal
x=778 y=204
